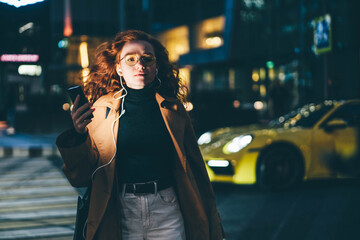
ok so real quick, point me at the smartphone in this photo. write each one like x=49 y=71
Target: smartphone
x=77 y=90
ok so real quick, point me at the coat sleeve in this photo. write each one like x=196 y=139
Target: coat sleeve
x=80 y=158
x=207 y=194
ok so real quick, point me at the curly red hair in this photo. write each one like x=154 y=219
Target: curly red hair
x=103 y=77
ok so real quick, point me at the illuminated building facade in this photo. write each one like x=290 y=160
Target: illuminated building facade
x=24 y=52
x=231 y=52
x=234 y=57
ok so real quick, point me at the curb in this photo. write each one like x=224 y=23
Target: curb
x=28 y=151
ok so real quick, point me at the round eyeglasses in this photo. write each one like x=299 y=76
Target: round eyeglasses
x=133 y=59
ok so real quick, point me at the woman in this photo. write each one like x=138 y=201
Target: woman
x=139 y=150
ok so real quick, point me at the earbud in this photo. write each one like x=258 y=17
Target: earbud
x=118 y=70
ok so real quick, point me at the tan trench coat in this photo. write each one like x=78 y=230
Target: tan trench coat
x=195 y=193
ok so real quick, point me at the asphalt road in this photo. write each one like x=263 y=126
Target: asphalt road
x=37 y=202
x=315 y=210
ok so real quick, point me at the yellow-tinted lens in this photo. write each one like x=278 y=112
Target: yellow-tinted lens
x=148 y=59
x=131 y=59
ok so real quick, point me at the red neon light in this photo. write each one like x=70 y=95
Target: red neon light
x=68 y=30
x=19 y=58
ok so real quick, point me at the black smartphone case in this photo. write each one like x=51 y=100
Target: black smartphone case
x=77 y=90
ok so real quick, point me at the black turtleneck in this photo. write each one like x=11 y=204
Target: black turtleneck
x=145 y=149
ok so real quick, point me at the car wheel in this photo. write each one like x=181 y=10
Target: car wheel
x=279 y=168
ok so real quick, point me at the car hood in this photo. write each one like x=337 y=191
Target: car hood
x=221 y=136
x=231 y=132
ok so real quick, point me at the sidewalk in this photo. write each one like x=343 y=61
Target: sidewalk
x=28 y=145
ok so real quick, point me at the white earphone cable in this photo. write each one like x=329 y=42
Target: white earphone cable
x=122 y=111
x=113 y=135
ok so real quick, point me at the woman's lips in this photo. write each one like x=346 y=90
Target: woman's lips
x=140 y=75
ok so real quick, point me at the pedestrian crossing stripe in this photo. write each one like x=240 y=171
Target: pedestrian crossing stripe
x=36 y=200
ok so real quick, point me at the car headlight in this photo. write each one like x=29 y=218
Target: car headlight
x=204 y=138
x=218 y=163
x=238 y=143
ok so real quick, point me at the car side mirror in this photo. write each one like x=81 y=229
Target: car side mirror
x=335 y=124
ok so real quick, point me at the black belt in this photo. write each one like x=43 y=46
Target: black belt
x=146 y=187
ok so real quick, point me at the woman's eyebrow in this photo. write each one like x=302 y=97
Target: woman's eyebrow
x=149 y=53
x=130 y=53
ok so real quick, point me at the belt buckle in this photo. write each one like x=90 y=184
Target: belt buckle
x=134 y=188
x=153 y=183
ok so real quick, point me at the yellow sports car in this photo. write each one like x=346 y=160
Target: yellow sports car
x=315 y=141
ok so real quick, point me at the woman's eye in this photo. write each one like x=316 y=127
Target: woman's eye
x=147 y=58
x=131 y=59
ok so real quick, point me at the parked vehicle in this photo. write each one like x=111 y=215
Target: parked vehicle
x=314 y=141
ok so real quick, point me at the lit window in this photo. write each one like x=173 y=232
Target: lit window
x=176 y=41
x=209 y=33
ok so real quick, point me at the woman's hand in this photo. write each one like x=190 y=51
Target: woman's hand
x=79 y=115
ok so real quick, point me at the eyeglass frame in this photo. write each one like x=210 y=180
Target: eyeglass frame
x=138 y=59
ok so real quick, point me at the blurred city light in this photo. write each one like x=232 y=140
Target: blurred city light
x=262 y=74
x=66 y=106
x=20 y=3
x=258 y=105
x=262 y=90
x=271 y=74
x=254 y=3
x=30 y=70
x=84 y=55
x=3 y=124
x=214 y=41
x=270 y=64
x=68 y=29
x=231 y=78
x=26 y=27
x=281 y=76
x=64 y=43
x=236 y=103
x=85 y=74
x=255 y=76
x=19 y=58
x=188 y=106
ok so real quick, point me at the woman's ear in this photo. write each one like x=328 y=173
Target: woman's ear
x=118 y=70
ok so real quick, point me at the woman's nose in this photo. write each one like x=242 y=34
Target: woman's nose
x=139 y=66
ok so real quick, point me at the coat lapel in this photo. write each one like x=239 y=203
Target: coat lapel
x=175 y=124
x=103 y=132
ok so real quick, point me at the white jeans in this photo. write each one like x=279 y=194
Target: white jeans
x=151 y=216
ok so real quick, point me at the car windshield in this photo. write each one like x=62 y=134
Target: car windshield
x=305 y=116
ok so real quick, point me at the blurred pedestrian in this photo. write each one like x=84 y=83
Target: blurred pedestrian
x=139 y=150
